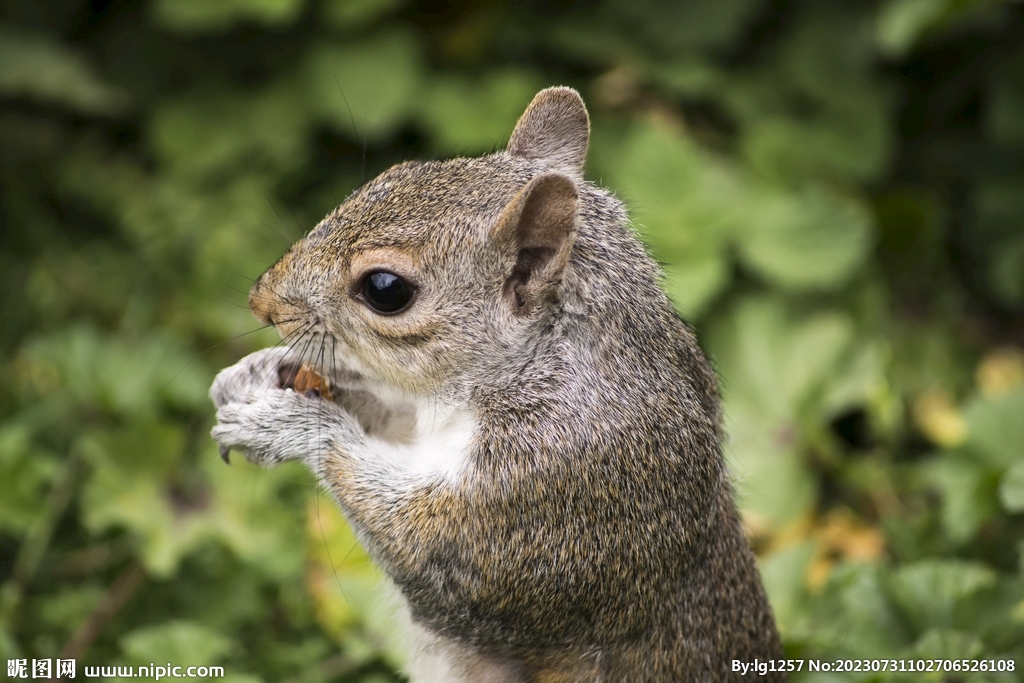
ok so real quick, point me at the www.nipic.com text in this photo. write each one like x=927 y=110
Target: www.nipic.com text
x=66 y=668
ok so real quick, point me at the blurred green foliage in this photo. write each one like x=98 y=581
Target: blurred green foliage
x=836 y=190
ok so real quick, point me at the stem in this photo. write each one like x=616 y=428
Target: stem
x=37 y=540
x=123 y=587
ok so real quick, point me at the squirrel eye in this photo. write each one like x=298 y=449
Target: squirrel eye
x=386 y=292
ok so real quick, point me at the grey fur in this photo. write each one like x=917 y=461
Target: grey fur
x=591 y=534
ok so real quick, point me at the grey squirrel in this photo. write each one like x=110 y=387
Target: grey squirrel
x=523 y=433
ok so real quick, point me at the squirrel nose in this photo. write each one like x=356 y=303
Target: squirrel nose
x=263 y=301
x=258 y=303
x=271 y=307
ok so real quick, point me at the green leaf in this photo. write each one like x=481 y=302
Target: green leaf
x=121 y=376
x=194 y=16
x=179 y=230
x=853 y=615
x=776 y=361
x=827 y=56
x=369 y=86
x=861 y=382
x=63 y=611
x=683 y=197
x=690 y=205
x=473 y=116
x=691 y=76
x=1011 y=488
x=816 y=112
x=182 y=643
x=772 y=369
x=251 y=517
x=998 y=203
x=39 y=68
x=130 y=487
x=851 y=140
x=675 y=27
x=199 y=136
x=1007 y=271
x=354 y=14
x=683 y=201
x=967 y=489
x=139 y=484
x=903 y=23
x=773 y=481
x=25 y=472
x=1006 y=110
x=809 y=239
x=783 y=574
x=692 y=285
x=996 y=430
x=948 y=644
x=930 y=591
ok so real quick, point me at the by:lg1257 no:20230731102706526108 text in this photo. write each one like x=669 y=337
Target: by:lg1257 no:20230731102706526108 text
x=759 y=667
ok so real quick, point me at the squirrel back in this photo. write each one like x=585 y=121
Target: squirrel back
x=527 y=437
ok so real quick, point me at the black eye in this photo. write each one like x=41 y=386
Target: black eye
x=386 y=292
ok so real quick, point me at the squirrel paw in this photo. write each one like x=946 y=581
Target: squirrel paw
x=251 y=376
x=280 y=424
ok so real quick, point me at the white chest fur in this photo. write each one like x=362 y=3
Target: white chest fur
x=437 y=448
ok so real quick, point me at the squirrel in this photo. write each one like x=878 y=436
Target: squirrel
x=521 y=430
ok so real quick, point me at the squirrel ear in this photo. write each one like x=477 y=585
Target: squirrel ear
x=555 y=128
x=539 y=226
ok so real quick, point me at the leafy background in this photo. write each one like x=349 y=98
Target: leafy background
x=836 y=190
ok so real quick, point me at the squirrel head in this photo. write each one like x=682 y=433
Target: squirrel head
x=433 y=270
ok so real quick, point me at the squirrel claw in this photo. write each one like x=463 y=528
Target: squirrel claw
x=225 y=454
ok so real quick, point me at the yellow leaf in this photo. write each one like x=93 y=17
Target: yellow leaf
x=939 y=419
x=1001 y=371
x=842 y=537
